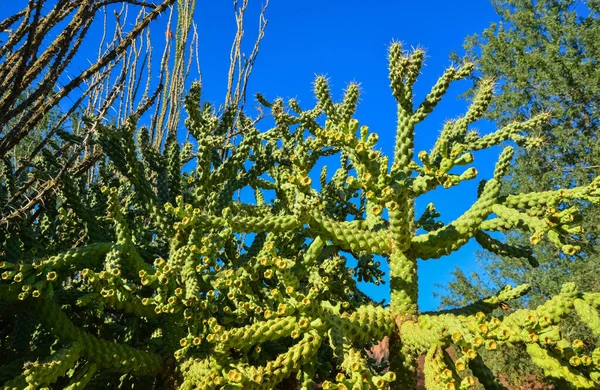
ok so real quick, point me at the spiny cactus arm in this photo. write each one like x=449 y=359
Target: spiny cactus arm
x=201 y=124
x=297 y=356
x=325 y=102
x=549 y=313
x=404 y=146
x=440 y=373
x=507 y=132
x=530 y=327
x=228 y=121
x=261 y=99
x=403 y=73
x=313 y=252
x=192 y=105
x=555 y=226
x=84 y=256
x=189 y=277
x=504 y=162
x=265 y=223
x=521 y=220
x=549 y=199
x=36 y=279
x=397 y=64
x=452 y=148
x=309 y=258
x=348 y=106
x=276 y=370
x=477 y=109
x=250 y=210
x=554 y=368
x=129 y=303
x=588 y=314
x=403 y=149
x=185 y=154
x=124 y=249
x=411 y=73
x=366 y=324
x=349 y=237
x=443 y=158
x=474 y=331
x=237 y=158
x=489 y=304
x=259 y=332
x=593 y=299
x=263 y=183
x=122 y=231
x=173 y=166
x=107 y=354
x=431 y=178
x=121 y=151
x=454 y=235
x=502 y=249
x=276 y=224
x=538 y=227
x=496 y=225
x=83 y=211
x=45 y=373
x=284 y=120
x=439 y=90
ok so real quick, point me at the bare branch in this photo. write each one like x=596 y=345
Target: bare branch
x=42 y=106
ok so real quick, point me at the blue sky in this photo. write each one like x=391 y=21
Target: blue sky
x=347 y=41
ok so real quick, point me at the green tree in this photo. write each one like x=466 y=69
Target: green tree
x=543 y=55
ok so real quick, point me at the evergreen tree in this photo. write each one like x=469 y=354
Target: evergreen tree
x=543 y=56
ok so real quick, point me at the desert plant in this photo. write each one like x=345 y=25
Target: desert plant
x=154 y=276
x=41 y=103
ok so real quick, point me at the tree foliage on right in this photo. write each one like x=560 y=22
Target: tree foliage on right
x=543 y=54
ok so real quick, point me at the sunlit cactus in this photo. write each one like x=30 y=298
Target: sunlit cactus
x=157 y=276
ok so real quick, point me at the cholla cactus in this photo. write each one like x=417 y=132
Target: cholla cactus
x=155 y=275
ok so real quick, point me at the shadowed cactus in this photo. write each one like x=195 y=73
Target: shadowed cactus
x=157 y=277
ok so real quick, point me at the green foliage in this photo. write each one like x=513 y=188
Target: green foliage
x=543 y=54
x=153 y=276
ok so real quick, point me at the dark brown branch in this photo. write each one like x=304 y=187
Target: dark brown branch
x=22 y=128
